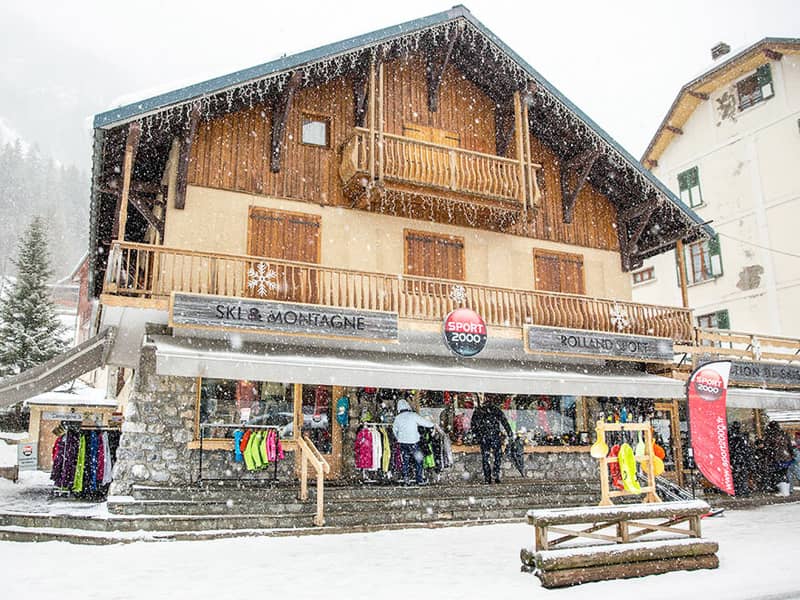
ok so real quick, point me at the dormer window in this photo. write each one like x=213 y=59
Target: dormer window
x=755 y=88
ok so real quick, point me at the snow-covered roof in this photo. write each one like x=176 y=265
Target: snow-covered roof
x=79 y=395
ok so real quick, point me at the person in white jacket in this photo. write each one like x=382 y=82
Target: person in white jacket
x=405 y=430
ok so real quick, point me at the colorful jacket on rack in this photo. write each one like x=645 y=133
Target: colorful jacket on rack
x=274 y=446
x=80 y=465
x=363 y=448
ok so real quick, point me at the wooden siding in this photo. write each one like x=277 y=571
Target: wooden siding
x=232 y=151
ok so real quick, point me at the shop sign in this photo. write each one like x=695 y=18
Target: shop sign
x=762 y=373
x=599 y=344
x=269 y=316
x=62 y=416
x=28 y=456
x=115 y=417
x=464 y=332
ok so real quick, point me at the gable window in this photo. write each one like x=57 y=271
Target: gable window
x=755 y=88
x=644 y=275
x=316 y=131
x=434 y=255
x=689 y=186
x=558 y=272
x=703 y=260
x=716 y=320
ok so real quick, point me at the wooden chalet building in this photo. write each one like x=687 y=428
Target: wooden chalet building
x=267 y=244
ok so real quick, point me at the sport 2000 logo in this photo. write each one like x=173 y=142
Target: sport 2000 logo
x=709 y=385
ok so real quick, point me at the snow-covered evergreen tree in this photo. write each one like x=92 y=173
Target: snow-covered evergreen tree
x=30 y=332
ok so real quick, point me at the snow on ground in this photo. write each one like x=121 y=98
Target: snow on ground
x=8 y=454
x=758 y=558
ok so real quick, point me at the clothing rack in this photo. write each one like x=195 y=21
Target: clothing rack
x=76 y=427
x=382 y=476
x=245 y=427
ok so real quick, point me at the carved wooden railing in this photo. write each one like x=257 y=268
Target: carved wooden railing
x=426 y=164
x=745 y=346
x=146 y=271
x=309 y=455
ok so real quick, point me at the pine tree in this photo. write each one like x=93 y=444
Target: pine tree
x=30 y=332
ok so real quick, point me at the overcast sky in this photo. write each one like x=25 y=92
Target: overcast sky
x=622 y=62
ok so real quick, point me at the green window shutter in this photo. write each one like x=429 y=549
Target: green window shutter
x=689 y=186
x=764 y=77
x=716 y=256
x=723 y=319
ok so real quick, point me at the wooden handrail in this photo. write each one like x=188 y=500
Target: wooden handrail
x=309 y=454
x=155 y=271
x=750 y=346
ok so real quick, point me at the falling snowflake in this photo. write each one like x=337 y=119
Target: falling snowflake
x=458 y=294
x=619 y=317
x=262 y=279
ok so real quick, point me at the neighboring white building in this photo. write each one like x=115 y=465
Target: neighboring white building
x=730 y=146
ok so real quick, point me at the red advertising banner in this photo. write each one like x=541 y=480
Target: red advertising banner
x=708 y=424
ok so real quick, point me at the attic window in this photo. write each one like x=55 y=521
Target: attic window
x=316 y=131
x=755 y=88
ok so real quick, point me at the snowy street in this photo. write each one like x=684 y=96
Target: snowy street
x=758 y=559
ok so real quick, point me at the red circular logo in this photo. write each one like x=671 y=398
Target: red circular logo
x=708 y=384
x=464 y=332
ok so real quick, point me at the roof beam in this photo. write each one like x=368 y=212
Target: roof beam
x=361 y=96
x=435 y=71
x=144 y=210
x=698 y=95
x=673 y=129
x=187 y=139
x=280 y=114
x=128 y=160
x=578 y=168
x=773 y=54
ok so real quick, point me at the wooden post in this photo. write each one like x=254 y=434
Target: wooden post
x=526 y=137
x=303 y=471
x=371 y=122
x=381 y=151
x=131 y=145
x=520 y=152
x=682 y=273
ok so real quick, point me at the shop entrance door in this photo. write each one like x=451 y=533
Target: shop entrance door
x=667 y=434
x=315 y=411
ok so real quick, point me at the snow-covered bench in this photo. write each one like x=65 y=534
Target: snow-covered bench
x=628 y=556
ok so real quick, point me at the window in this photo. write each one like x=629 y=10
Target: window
x=689 y=186
x=434 y=255
x=703 y=261
x=558 y=272
x=644 y=275
x=755 y=88
x=230 y=402
x=315 y=131
x=716 y=320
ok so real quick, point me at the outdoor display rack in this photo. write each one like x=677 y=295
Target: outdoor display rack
x=650 y=489
x=203 y=427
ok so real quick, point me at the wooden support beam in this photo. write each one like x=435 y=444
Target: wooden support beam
x=435 y=71
x=652 y=163
x=673 y=129
x=361 y=96
x=503 y=127
x=579 y=166
x=773 y=54
x=128 y=160
x=187 y=139
x=636 y=211
x=644 y=219
x=682 y=273
x=698 y=95
x=280 y=114
x=141 y=205
x=113 y=185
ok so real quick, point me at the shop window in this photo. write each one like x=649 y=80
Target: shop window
x=644 y=275
x=434 y=255
x=316 y=131
x=689 y=186
x=229 y=402
x=558 y=272
x=317 y=410
x=703 y=261
x=755 y=88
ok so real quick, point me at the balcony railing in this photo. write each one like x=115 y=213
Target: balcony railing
x=146 y=271
x=428 y=165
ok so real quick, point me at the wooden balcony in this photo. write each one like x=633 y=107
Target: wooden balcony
x=397 y=164
x=151 y=273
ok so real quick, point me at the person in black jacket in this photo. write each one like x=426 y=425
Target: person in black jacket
x=741 y=455
x=488 y=422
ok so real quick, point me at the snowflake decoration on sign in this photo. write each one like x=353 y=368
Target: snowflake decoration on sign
x=756 y=346
x=262 y=278
x=619 y=317
x=458 y=294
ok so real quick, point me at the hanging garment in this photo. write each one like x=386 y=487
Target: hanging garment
x=262 y=449
x=249 y=461
x=94 y=444
x=386 y=451
x=101 y=458
x=245 y=440
x=69 y=458
x=80 y=465
x=377 y=448
x=58 y=453
x=274 y=446
x=237 y=442
x=107 y=465
x=363 y=449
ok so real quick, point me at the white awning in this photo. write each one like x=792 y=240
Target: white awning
x=193 y=357
x=764 y=399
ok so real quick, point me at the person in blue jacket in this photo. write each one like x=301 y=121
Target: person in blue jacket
x=405 y=430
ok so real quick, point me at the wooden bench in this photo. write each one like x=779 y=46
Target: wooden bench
x=628 y=556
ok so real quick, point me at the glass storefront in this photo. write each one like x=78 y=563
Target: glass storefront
x=231 y=402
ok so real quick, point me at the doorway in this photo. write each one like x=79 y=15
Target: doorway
x=666 y=431
x=315 y=414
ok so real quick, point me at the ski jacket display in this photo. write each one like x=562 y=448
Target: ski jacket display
x=83 y=460
x=258 y=448
x=363 y=449
x=406 y=423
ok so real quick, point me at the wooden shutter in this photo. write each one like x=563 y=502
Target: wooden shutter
x=283 y=235
x=723 y=319
x=558 y=272
x=716 y=256
x=433 y=255
x=441 y=137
